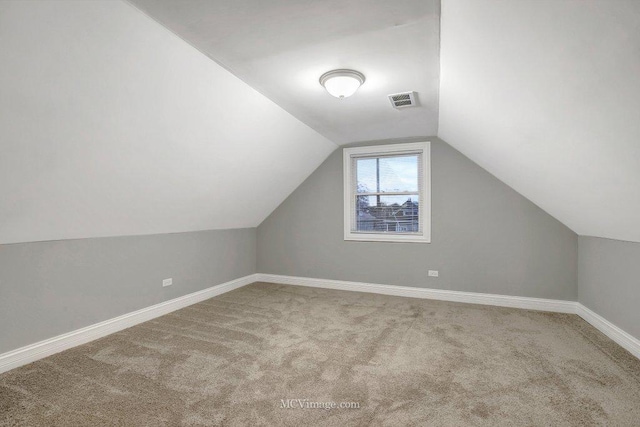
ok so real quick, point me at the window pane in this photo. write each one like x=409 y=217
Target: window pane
x=366 y=175
x=393 y=214
x=387 y=174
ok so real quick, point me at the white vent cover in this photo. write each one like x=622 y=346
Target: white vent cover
x=403 y=100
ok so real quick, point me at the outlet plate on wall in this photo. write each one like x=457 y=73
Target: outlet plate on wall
x=167 y=282
x=433 y=273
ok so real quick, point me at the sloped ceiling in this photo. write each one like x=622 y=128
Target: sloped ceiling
x=545 y=94
x=111 y=125
x=282 y=47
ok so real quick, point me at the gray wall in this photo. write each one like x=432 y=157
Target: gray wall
x=485 y=237
x=49 y=288
x=609 y=280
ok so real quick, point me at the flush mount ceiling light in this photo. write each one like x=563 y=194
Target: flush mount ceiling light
x=341 y=83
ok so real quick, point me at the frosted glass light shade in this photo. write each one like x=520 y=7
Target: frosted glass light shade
x=342 y=83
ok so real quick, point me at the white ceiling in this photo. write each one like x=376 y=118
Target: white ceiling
x=111 y=125
x=281 y=47
x=545 y=94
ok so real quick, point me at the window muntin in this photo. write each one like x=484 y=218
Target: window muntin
x=386 y=190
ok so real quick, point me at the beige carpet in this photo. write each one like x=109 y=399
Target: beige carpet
x=231 y=360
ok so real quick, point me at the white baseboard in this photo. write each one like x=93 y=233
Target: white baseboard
x=39 y=350
x=625 y=340
x=42 y=349
x=557 y=306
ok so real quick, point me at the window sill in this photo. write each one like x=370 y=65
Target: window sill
x=382 y=238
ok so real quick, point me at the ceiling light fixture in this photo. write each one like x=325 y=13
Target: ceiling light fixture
x=341 y=83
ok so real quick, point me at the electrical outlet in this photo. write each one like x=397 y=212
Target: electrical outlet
x=433 y=273
x=167 y=282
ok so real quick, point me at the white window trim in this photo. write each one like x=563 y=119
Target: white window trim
x=425 y=199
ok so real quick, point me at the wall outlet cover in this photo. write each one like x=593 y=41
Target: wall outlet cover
x=167 y=282
x=433 y=273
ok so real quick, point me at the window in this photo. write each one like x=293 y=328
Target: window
x=387 y=193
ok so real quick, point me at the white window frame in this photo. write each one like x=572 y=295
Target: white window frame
x=424 y=190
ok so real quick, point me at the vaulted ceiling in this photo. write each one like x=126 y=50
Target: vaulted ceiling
x=544 y=94
x=282 y=47
x=112 y=125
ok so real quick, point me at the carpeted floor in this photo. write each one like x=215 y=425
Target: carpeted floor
x=233 y=359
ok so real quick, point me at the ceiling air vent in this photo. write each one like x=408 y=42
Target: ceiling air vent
x=403 y=100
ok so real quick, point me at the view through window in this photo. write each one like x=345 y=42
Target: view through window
x=387 y=194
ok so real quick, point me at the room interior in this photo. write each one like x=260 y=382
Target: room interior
x=299 y=212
